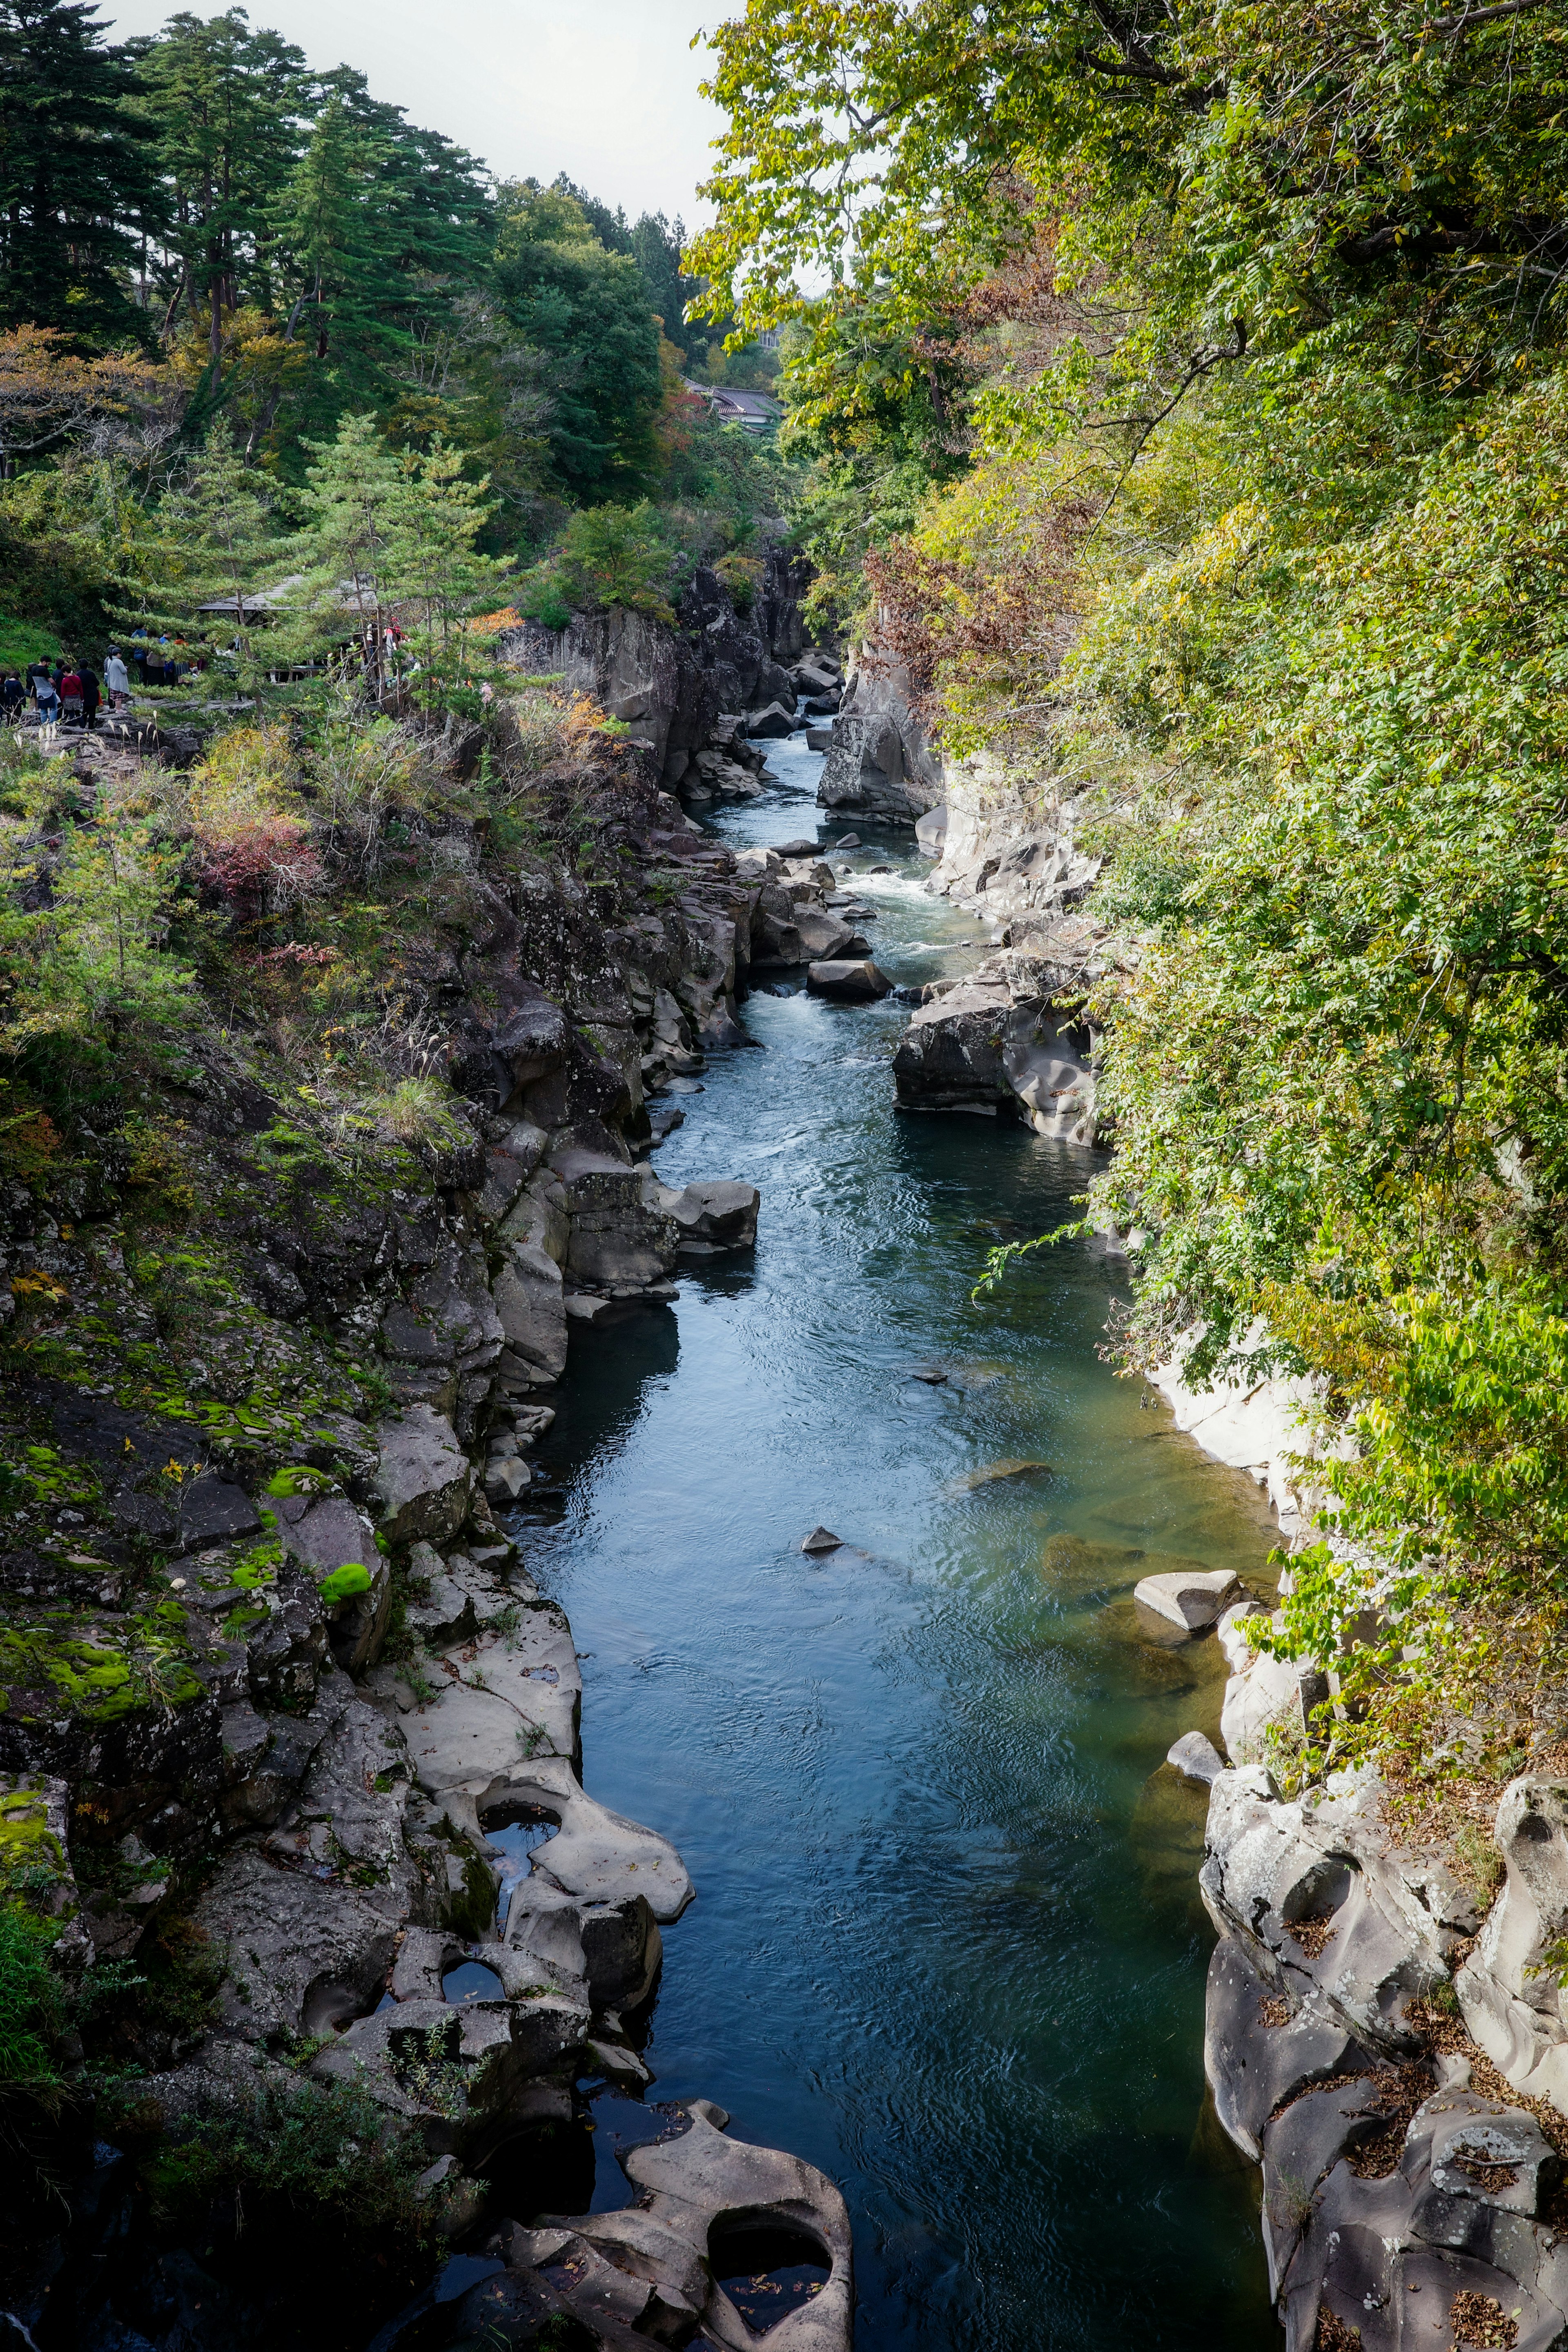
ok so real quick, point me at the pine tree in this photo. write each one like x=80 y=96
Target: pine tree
x=224 y=106
x=334 y=246
x=389 y=529
x=438 y=569
x=218 y=544
x=75 y=171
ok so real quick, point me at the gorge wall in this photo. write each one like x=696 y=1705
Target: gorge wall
x=1386 y=2034
x=288 y=1732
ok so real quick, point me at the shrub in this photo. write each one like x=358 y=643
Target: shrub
x=30 y=2009
x=608 y=556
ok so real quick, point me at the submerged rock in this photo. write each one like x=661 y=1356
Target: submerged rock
x=1192 y=1598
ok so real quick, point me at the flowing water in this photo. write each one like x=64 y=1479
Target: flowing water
x=947 y=1942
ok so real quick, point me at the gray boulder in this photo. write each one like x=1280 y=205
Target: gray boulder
x=422 y=1478
x=856 y=982
x=774 y=721
x=714 y=1215
x=1196 y=1757
x=1191 y=1598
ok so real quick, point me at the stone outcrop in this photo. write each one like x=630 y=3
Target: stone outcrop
x=1389 y=2050
x=996 y=1042
x=880 y=762
x=678 y=689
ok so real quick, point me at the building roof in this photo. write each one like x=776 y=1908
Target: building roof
x=756 y=412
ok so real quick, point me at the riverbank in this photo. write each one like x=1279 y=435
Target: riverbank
x=947 y=1944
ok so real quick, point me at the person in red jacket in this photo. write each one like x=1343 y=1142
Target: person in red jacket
x=69 y=691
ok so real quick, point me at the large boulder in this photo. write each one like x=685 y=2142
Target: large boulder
x=529 y=1305
x=618 y=1237
x=512 y=1693
x=531 y=1036
x=716 y=1215
x=1328 y=1909
x=774 y=720
x=1192 y=1598
x=422 y=1479
x=847 y=981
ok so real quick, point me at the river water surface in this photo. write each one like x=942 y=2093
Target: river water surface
x=947 y=1943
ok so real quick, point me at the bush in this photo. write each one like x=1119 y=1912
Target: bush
x=30 y=2009
x=608 y=556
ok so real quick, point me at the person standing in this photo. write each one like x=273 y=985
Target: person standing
x=153 y=665
x=90 y=695
x=45 y=696
x=117 y=678
x=68 y=687
x=13 y=694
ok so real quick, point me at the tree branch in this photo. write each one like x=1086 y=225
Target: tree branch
x=1445 y=25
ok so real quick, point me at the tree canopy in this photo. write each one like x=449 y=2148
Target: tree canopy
x=1185 y=400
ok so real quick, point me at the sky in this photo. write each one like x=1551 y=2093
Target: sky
x=604 y=90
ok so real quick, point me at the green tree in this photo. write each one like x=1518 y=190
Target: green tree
x=89 y=974
x=387 y=528
x=336 y=248
x=224 y=106
x=587 y=311
x=74 y=172
x=217 y=543
x=657 y=245
x=606 y=556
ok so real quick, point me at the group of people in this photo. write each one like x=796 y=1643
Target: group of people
x=66 y=692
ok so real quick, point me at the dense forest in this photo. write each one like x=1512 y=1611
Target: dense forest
x=1188 y=414
x=211 y=254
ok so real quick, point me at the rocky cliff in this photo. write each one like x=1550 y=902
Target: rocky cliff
x=683 y=691
x=1385 y=2032
x=1012 y=1038
x=880 y=759
x=289 y=1737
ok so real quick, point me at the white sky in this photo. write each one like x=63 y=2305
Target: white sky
x=604 y=90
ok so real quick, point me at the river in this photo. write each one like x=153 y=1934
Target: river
x=947 y=1943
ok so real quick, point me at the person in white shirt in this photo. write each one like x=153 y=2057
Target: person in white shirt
x=117 y=678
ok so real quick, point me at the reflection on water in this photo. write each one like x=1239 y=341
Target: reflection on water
x=947 y=1941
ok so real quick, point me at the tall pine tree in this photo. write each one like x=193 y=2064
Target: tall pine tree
x=74 y=172
x=225 y=108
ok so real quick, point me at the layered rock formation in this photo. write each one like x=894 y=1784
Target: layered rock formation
x=683 y=692
x=277 y=1688
x=880 y=760
x=1385 y=2046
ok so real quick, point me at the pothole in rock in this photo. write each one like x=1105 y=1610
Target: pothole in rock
x=470 y=1980
x=766 y=2268
x=619 y=2125
x=517 y=1831
x=549 y=2168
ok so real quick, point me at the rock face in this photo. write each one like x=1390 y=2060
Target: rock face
x=879 y=762
x=678 y=689
x=283 y=1669
x=1509 y=1991
x=995 y=1044
x=422 y=1478
x=709 y=2209
x=1394 y=2191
